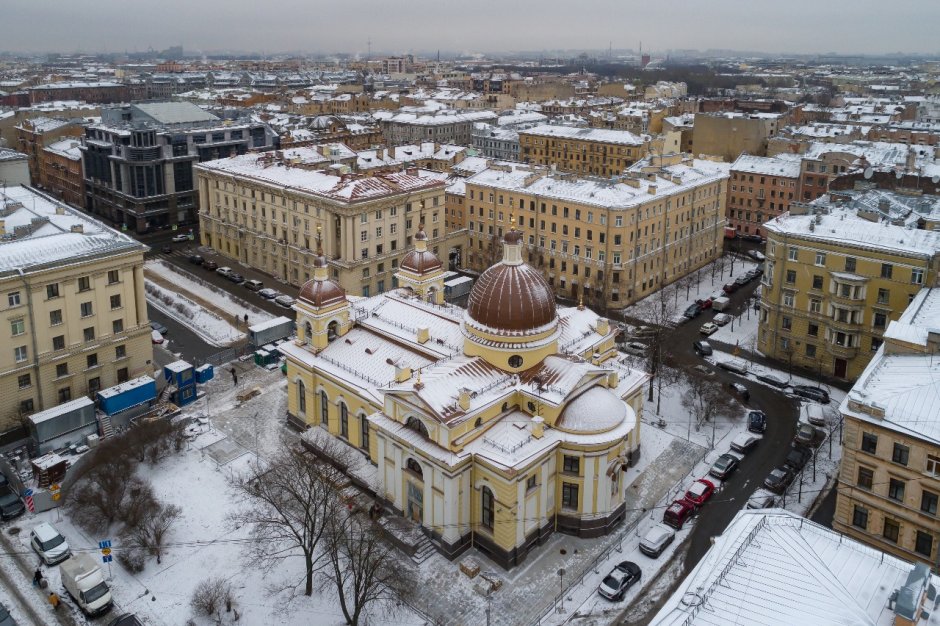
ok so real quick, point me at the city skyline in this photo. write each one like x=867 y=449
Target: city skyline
x=213 y=26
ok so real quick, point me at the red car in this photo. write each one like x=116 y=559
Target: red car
x=705 y=304
x=677 y=513
x=700 y=491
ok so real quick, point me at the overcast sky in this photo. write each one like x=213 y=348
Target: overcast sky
x=269 y=26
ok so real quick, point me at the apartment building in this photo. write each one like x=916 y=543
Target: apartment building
x=417 y=125
x=265 y=210
x=836 y=276
x=608 y=242
x=34 y=135
x=729 y=135
x=138 y=161
x=14 y=167
x=61 y=171
x=761 y=189
x=585 y=151
x=889 y=478
x=73 y=301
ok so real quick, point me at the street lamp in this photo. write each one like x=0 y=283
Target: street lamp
x=561 y=588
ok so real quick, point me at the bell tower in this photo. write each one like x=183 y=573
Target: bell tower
x=421 y=271
x=322 y=307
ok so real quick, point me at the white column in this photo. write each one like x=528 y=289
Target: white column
x=451 y=503
x=603 y=486
x=427 y=508
x=380 y=474
x=396 y=491
x=520 y=512
x=587 y=501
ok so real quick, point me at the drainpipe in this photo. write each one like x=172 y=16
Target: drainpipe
x=32 y=333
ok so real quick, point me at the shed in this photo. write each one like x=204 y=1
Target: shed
x=179 y=373
x=128 y=394
x=63 y=425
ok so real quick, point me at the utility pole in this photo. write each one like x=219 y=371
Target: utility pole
x=488 y=600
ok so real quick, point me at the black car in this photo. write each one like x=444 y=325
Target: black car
x=740 y=390
x=692 y=311
x=621 y=578
x=812 y=393
x=779 y=479
x=724 y=466
x=797 y=457
x=195 y=259
x=167 y=250
x=754 y=238
x=210 y=265
x=10 y=504
x=756 y=421
x=702 y=348
x=236 y=278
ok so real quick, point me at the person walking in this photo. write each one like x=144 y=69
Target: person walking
x=37 y=578
x=234 y=377
x=54 y=600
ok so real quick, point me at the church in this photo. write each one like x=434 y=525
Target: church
x=492 y=426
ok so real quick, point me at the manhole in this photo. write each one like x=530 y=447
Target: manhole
x=563 y=551
x=14 y=531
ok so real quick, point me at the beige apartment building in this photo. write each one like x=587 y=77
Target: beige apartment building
x=73 y=302
x=265 y=210
x=729 y=135
x=608 y=242
x=836 y=276
x=761 y=189
x=585 y=151
x=889 y=478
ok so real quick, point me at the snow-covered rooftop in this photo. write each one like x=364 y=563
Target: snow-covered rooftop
x=786 y=166
x=601 y=135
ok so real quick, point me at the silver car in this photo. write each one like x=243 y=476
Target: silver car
x=656 y=540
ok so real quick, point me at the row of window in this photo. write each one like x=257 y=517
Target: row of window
x=52 y=290
x=891 y=531
x=64 y=394
x=851 y=263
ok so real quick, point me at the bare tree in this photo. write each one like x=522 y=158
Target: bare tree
x=96 y=497
x=363 y=567
x=151 y=533
x=286 y=506
x=658 y=310
x=705 y=400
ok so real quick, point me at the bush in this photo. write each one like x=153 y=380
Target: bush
x=131 y=556
x=210 y=596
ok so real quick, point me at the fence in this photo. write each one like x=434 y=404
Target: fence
x=223 y=356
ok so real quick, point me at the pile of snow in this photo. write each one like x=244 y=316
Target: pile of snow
x=212 y=328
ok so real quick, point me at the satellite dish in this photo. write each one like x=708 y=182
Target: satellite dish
x=868 y=173
x=935 y=179
x=899 y=174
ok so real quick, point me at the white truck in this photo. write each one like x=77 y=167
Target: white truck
x=84 y=582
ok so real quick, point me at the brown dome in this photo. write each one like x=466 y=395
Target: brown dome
x=321 y=293
x=512 y=297
x=420 y=262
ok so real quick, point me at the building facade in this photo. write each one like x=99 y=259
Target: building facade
x=73 y=299
x=729 y=135
x=445 y=126
x=889 y=477
x=138 y=162
x=34 y=135
x=761 y=189
x=491 y=427
x=834 y=279
x=61 y=171
x=585 y=151
x=14 y=168
x=265 y=210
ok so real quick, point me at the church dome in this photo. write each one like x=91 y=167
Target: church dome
x=321 y=293
x=512 y=296
x=596 y=410
x=420 y=260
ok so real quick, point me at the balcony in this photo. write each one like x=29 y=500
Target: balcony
x=842 y=352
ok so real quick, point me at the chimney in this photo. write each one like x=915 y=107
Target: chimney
x=423 y=335
x=3 y=227
x=463 y=399
x=613 y=379
x=78 y=228
x=402 y=372
x=380 y=153
x=603 y=326
x=651 y=190
x=59 y=210
x=538 y=426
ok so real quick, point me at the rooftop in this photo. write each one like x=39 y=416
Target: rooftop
x=783 y=165
x=600 y=135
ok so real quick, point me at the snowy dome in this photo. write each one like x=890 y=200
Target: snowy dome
x=596 y=410
x=420 y=260
x=512 y=296
x=320 y=293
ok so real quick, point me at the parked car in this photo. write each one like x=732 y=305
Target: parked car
x=772 y=379
x=730 y=288
x=738 y=367
x=745 y=442
x=224 y=271
x=724 y=466
x=635 y=348
x=210 y=265
x=740 y=281
x=812 y=393
x=693 y=310
x=195 y=259
x=740 y=390
x=756 y=421
x=236 y=278
x=756 y=255
x=10 y=504
x=700 y=491
x=721 y=303
x=779 y=479
x=721 y=319
x=798 y=457
x=157 y=326
x=621 y=578
x=156 y=337
x=754 y=238
x=5 y=618
x=708 y=328
x=166 y=250
x=702 y=348
x=703 y=370
x=269 y=294
x=677 y=513
x=656 y=540
x=814 y=414
x=253 y=285
x=284 y=301
x=806 y=434
x=704 y=304
x=752 y=274
x=180 y=238
x=128 y=619
x=761 y=499
x=49 y=544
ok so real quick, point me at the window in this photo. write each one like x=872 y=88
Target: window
x=13 y=298
x=791 y=276
x=572 y=465
x=120 y=351
x=812 y=330
x=343 y=421
x=324 y=410
x=875 y=344
x=52 y=291
x=569 y=495
x=55 y=317
x=363 y=432
x=26 y=406
x=84 y=283
x=860 y=517
x=114 y=276
x=815 y=305
x=923 y=544
x=515 y=361
x=850 y=264
x=17 y=327
x=487 y=508
x=62 y=369
x=20 y=354
x=65 y=394
x=301 y=398
x=917 y=276
x=123 y=375
x=91 y=360
x=786 y=323
x=928 y=502
x=865 y=478
x=531 y=482
x=89 y=334
x=793 y=253
x=900 y=454
x=886 y=270
x=883 y=296
x=891 y=530
x=869 y=443
x=117 y=326
x=810 y=350
x=787 y=298
x=87 y=309
x=817 y=282
x=821 y=258
x=94 y=385
x=933 y=465
x=24 y=381
x=896 y=489
x=116 y=301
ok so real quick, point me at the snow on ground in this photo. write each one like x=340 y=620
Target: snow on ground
x=744 y=331
x=212 y=328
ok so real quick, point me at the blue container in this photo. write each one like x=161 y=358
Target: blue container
x=127 y=394
x=180 y=373
x=185 y=395
x=205 y=373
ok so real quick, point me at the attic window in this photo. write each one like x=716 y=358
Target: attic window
x=478 y=423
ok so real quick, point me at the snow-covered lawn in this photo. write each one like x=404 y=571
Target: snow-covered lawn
x=208 y=325
x=744 y=331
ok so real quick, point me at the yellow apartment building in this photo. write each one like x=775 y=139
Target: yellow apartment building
x=73 y=303
x=836 y=276
x=585 y=151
